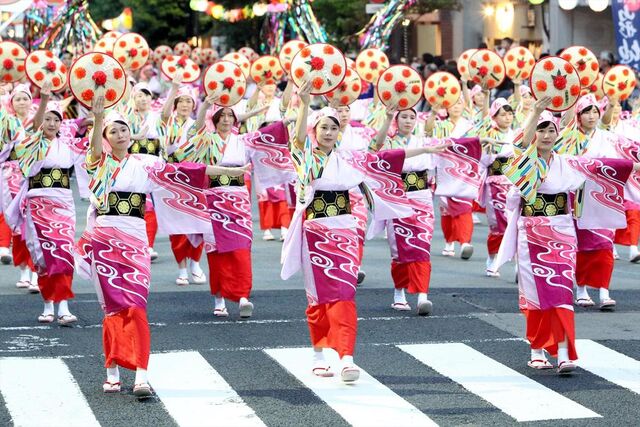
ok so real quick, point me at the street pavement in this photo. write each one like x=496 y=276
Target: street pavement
x=463 y=365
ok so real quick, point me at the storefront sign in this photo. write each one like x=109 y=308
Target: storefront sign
x=626 y=19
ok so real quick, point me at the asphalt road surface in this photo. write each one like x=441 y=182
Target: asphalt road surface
x=463 y=365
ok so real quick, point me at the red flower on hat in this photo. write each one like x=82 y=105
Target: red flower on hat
x=38 y=76
x=557 y=101
x=182 y=62
x=56 y=81
x=541 y=85
x=441 y=91
x=224 y=98
x=415 y=89
x=483 y=71
x=336 y=70
x=97 y=59
x=400 y=86
x=51 y=66
x=520 y=63
x=403 y=103
x=87 y=95
x=584 y=81
x=386 y=95
x=240 y=90
x=117 y=73
x=299 y=72
x=7 y=77
x=228 y=83
x=317 y=63
x=110 y=95
x=99 y=77
x=581 y=65
x=622 y=86
x=575 y=90
x=80 y=73
x=317 y=82
x=373 y=65
x=7 y=64
x=344 y=100
x=548 y=66
x=212 y=85
x=328 y=50
x=133 y=52
x=559 y=81
x=63 y=68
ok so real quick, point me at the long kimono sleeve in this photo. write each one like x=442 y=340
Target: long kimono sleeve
x=458 y=169
x=602 y=197
x=267 y=149
x=630 y=150
x=178 y=195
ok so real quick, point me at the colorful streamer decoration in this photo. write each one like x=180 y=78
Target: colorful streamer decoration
x=378 y=31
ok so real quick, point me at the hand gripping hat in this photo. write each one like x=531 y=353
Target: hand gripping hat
x=12 y=57
x=288 y=51
x=555 y=77
x=584 y=61
x=348 y=91
x=619 y=82
x=132 y=51
x=323 y=64
x=95 y=74
x=173 y=64
x=519 y=62
x=442 y=88
x=370 y=63
x=463 y=63
x=486 y=68
x=42 y=66
x=182 y=48
x=240 y=60
x=225 y=80
x=400 y=85
x=266 y=69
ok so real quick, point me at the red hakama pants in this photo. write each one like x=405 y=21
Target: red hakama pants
x=126 y=339
x=334 y=325
x=230 y=274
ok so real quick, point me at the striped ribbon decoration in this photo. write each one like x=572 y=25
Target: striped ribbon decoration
x=104 y=175
x=526 y=170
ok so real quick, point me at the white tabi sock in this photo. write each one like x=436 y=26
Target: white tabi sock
x=422 y=297
x=219 y=304
x=318 y=355
x=195 y=267
x=34 y=278
x=113 y=375
x=347 y=361
x=450 y=246
x=25 y=274
x=398 y=296
x=604 y=294
x=563 y=352
x=283 y=232
x=582 y=292
x=182 y=273
x=141 y=376
x=633 y=251
x=538 y=354
x=243 y=300
x=48 y=307
x=490 y=261
x=63 y=308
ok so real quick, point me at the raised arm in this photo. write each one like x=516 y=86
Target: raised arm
x=608 y=114
x=487 y=101
x=381 y=136
x=202 y=112
x=45 y=94
x=286 y=96
x=246 y=116
x=95 y=144
x=516 y=92
x=531 y=122
x=431 y=120
x=167 y=109
x=304 y=92
x=465 y=93
x=253 y=100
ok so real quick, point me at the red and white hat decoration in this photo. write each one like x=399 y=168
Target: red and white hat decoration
x=349 y=90
x=595 y=88
x=131 y=50
x=173 y=64
x=249 y=53
x=42 y=66
x=226 y=81
x=12 y=56
x=288 y=51
x=320 y=63
x=400 y=85
x=196 y=55
x=486 y=68
x=161 y=52
x=585 y=63
x=209 y=56
x=106 y=42
x=240 y=60
x=267 y=70
x=97 y=74
x=370 y=63
x=463 y=63
x=442 y=88
x=619 y=82
x=519 y=62
x=182 y=48
x=555 y=77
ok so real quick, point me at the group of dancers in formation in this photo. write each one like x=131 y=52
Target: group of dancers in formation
x=182 y=166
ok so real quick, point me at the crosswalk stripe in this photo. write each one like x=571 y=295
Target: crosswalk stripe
x=513 y=393
x=196 y=394
x=615 y=367
x=365 y=403
x=39 y=391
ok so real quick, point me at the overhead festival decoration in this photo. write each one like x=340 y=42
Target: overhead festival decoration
x=378 y=30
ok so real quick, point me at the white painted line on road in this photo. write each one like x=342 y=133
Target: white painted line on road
x=511 y=392
x=604 y=362
x=39 y=391
x=365 y=403
x=195 y=394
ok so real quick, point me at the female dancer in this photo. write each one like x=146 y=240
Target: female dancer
x=542 y=235
x=113 y=251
